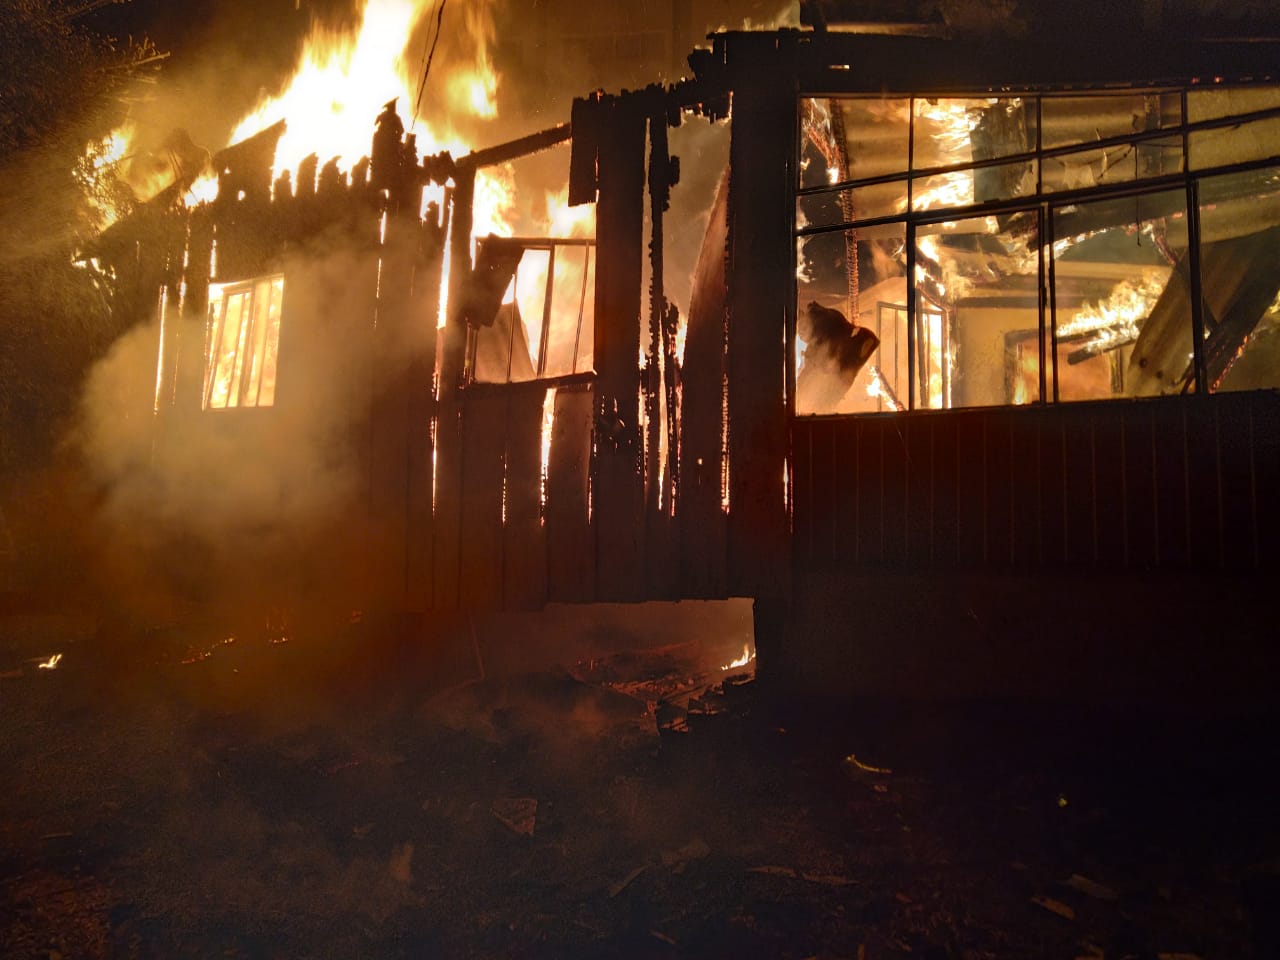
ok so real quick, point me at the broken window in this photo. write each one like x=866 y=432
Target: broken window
x=977 y=290
x=1239 y=240
x=1002 y=250
x=532 y=312
x=1122 y=301
x=243 y=343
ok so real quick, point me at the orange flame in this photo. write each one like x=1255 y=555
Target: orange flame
x=342 y=77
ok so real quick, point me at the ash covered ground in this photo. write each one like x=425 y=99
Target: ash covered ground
x=356 y=793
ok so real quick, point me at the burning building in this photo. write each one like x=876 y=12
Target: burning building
x=970 y=384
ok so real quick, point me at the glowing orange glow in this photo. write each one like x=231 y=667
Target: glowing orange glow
x=878 y=389
x=494 y=204
x=948 y=125
x=1117 y=316
x=548 y=426
x=242 y=343
x=338 y=77
x=342 y=76
x=51 y=663
x=747 y=656
x=99 y=159
x=567 y=221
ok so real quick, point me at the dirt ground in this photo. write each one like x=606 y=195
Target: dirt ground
x=198 y=792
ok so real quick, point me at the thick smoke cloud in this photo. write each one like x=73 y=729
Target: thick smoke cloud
x=223 y=492
x=250 y=499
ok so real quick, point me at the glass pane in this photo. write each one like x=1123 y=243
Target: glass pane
x=1121 y=163
x=847 y=206
x=1237 y=144
x=572 y=302
x=954 y=131
x=257 y=342
x=1216 y=103
x=223 y=359
x=1122 y=299
x=962 y=188
x=530 y=284
x=852 y=138
x=977 y=309
x=1259 y=140
x=851 y=354
x=1240 y=279
x=1068 y=120
x=271 y=350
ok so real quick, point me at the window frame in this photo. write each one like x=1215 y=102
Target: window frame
x=1045 y=203
x=549 y=245
x=260 y=355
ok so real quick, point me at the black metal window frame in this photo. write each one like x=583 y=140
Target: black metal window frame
x=1044 y=204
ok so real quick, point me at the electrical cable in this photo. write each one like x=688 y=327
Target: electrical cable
x=426 y=68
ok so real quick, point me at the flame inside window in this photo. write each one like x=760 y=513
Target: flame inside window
x=243 y=343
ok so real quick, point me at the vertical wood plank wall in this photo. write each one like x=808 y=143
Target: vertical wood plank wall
x=1162 y=483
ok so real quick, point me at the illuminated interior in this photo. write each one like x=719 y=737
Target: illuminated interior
x=543 y=325
x=242 y=343
x=1021 y=249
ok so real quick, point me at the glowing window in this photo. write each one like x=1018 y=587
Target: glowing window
x=1004 y=250
x=541 y=324
x=242 y=343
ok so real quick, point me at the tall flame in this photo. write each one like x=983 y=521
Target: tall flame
x=342 y=77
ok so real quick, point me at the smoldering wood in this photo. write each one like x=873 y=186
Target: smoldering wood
x=245 y=167
x=424 y=308
x=584 y=152
x=619 y=500
x=449 y=488
x=659 y=193
x=661 y=382
x=698 y=504
x=523 y=147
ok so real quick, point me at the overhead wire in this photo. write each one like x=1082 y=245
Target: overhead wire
x=430 y=55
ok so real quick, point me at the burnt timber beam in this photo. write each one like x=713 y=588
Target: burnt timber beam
x=447 y=544
x=523 y=147
x=761 y=297
x=619 y=503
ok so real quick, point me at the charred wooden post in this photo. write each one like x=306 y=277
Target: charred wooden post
x=761 y=170
x=701 y=503
x=191 y=359
x=619 y=505
x=172 y=241
x=453 y=345
x=403 y=345
x=424 y=309
x=661 y=373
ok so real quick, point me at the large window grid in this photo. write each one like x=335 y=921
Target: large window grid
x=914 y=187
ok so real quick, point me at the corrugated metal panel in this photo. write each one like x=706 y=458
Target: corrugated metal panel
x=1173 y=482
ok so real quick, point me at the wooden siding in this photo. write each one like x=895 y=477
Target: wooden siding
x=1170 y=483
